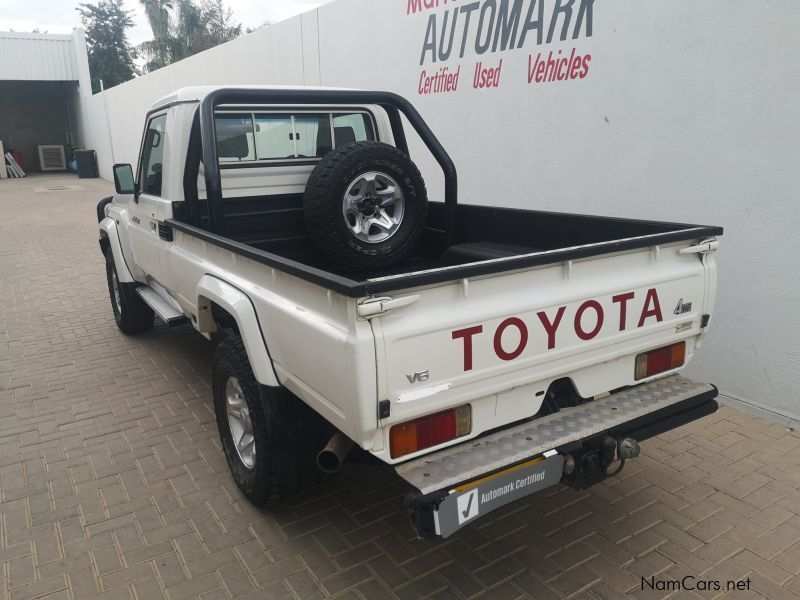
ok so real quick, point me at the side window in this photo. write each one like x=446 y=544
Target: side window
x=313 y=135
x=274 y=137
x=153 y=156
x=356 y=127
x=235 y=141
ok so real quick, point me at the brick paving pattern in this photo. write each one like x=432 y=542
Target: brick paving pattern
x=113 y=484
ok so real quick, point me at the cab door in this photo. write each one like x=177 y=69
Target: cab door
x=144 y=211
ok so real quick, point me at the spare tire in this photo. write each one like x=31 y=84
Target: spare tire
x=366 y=205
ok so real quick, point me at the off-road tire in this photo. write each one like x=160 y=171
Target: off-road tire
x=286 y=432
x=325 y=191
x=131 y=313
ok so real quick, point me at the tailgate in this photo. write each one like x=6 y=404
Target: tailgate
x=498 y=342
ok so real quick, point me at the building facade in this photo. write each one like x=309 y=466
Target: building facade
x=43 y=79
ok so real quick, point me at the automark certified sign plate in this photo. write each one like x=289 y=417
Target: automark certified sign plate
x=471 y=500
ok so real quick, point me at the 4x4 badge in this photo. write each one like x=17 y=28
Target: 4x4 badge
x=682 y=308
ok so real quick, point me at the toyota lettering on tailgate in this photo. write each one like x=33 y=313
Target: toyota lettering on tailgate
x=552 y=321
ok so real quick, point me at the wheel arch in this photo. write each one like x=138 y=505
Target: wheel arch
x=101 y=207
x=212 y=293
x=109 y=240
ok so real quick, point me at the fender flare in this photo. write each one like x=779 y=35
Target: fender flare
x=236 y=302
x=109 y=239
x=101 y=207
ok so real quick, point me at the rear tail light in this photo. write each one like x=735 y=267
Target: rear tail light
x=430 y=430
x=660 y=360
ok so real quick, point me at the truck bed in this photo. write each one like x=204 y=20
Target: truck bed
x=488 y=240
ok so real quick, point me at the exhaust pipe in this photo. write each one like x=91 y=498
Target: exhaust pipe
x=331 y=457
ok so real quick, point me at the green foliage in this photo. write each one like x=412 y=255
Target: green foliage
x=111 y=57
x=182 y=28
x=219 y=22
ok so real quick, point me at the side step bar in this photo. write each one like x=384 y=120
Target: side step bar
x=163 y=308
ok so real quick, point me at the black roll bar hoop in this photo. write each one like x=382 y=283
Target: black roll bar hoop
x=391 y=102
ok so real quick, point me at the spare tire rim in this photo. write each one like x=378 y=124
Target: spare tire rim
x=373 y=207
x=240 y=423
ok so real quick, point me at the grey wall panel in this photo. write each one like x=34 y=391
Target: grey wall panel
x=37 y=57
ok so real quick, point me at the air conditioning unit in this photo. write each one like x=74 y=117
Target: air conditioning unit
x=52 y=158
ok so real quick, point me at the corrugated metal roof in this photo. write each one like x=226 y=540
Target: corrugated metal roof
x=37 y=57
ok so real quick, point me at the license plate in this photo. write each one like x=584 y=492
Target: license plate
x=481 y=496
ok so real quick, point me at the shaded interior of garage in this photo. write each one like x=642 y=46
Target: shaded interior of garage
x=34 y=113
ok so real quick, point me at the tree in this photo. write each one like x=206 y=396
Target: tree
x=158 y=49
x=111 y=57
x=188 y=31
x=219 y=22
x=182 y=28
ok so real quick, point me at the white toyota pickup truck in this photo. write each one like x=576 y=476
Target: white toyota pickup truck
x=485 y=352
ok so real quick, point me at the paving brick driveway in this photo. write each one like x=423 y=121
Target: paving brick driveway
x=114 y=485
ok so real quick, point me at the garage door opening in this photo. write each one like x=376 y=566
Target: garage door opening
x=38 y=113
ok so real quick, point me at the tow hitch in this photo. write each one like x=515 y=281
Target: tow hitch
x=587 y=466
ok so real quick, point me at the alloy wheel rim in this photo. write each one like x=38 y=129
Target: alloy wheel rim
x=373 y=207
x=239 y=423
x=115 y=287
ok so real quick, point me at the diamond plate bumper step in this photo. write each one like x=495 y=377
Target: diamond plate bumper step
x=647 y=407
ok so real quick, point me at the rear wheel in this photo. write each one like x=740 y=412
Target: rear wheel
x=131 y=313
x=269 y=437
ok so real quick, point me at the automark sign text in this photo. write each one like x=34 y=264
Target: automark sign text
x=491 y=26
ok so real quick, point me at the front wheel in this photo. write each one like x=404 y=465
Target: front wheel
x=131 y=313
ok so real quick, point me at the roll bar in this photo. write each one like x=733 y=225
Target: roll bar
x=392 y=103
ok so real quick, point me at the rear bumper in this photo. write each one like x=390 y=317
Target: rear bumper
x=458 y=485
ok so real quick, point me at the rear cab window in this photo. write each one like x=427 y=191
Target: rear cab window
x=273 y=135
x=258 y=138
x=235 y=138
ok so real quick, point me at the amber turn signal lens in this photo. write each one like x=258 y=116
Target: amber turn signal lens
x=430 y=430
x=660 y=360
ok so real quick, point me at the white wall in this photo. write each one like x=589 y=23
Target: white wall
x=688 y=113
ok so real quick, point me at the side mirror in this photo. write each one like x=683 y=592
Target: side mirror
x=123 y=179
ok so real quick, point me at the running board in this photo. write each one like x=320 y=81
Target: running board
x=635 y=408
x=161 y=306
